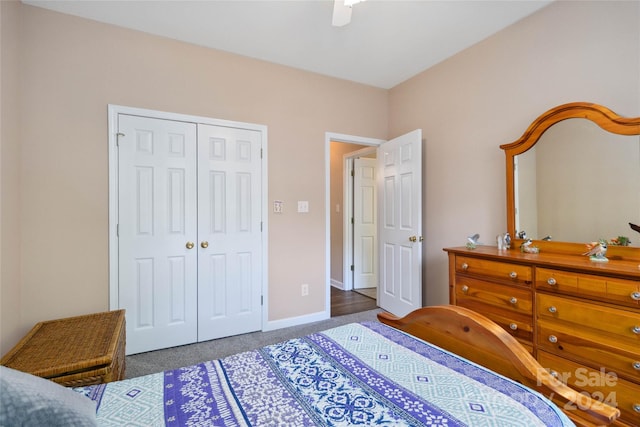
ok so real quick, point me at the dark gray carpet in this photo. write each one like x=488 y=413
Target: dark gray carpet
x=173 y=358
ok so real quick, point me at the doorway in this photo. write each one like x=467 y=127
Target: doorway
x=342 y=149
x=400 y=241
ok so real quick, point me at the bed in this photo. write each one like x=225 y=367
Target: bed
x=396 y=372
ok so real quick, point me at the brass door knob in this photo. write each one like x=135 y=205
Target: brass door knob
x=413 y=238
x=189 y=245
x=204 y=244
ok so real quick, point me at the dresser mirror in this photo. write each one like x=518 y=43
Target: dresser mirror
x=574 y=176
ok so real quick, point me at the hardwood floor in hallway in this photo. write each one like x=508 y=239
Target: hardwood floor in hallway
x=348 y=302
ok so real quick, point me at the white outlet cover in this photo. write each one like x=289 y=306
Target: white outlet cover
x=303 y=206
x=277 y=206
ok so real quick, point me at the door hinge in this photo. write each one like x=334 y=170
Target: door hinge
x=117 y=230
x=352 y=221
x=261 y=153
x=261 y=299
x=118 y=135
x=261 y=226
x=351 y=267
x=353 y=172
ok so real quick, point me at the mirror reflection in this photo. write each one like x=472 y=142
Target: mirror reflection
x=579 y=183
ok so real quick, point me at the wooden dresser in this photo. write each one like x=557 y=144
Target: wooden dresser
x=580 y=319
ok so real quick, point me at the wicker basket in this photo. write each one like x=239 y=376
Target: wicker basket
x=75 y=351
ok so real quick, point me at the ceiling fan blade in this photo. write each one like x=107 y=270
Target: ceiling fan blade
x=341 y=14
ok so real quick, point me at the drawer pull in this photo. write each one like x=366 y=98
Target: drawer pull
x=553 y=339
x=551 y=281
x=636 y=330
x=636 y=366
x=513 y=274
x=465 y=289
x=636 y=407
x=513 y=300
x=465 y=266
x=553 y=309
x=513 y=326
x=635 y=296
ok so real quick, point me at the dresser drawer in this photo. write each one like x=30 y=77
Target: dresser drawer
x=594 y=335
x=510 y=298
x=619 y=291
x=620 y=325
x=590 y=349
x=508 y=306
x=512 y=273
x=600 y=385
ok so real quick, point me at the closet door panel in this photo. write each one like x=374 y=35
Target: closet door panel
x=157 y=208
x=229 y=231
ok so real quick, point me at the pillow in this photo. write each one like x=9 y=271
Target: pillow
x=28 y=400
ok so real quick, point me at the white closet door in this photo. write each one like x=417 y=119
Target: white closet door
x=229 y=231
x=365 y=242
x=157 y=219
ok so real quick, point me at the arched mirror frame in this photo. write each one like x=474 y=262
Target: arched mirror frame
x=603 y=117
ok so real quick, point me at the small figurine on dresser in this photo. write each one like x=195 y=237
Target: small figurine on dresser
x=620 y=241
x=528 y=247
x=596 y=251
x=472 y=241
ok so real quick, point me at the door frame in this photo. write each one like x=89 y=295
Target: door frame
x=113 y=112
x=330 y=137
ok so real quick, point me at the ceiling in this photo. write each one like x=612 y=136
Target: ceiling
x=387 y=41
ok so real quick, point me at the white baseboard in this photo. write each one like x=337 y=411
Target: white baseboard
x=296 y=321
x=337 y=284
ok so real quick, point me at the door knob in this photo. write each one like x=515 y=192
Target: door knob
x=189 y=245
x=413 y=239
x=204 y=244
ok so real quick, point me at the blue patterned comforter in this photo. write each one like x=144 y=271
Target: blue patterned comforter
x=358 y=374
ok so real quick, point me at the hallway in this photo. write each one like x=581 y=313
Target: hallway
x=348 y=302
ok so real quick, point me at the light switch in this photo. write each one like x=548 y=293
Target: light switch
x=303 y=206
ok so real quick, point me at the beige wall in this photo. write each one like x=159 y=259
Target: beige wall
x=71 y=68
x=487 y=95
x=10 y=295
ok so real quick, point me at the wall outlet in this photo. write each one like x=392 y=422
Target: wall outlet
x=304 y=289
x=303 y=206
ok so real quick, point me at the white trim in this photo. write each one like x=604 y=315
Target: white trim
x=113 y=207
x=337 y=284
x=296 y=321
x=113 y=111
x=347 y=227
x=330 y=137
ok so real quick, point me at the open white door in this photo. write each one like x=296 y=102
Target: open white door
x=400 y=223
